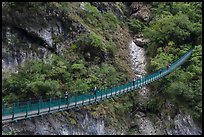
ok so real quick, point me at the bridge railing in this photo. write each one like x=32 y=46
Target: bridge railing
x=87 y=98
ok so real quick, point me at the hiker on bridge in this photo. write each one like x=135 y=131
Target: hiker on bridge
x=133 y=82
x=66 y=94
x=168 y=65
x=94 y=90
x=160 y=71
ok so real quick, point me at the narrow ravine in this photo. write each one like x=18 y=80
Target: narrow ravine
x=138 y=60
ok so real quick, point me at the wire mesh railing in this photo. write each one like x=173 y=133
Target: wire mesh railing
x=21 y=110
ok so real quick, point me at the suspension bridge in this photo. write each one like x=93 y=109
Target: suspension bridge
x=32 y=108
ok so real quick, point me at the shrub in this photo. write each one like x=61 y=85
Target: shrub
x=93 y=40
x=135 y=25
x=103 y=22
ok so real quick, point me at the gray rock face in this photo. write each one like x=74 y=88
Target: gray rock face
x=85 y=124
x=13 y=54
x=145 y=126
x=137 y=56
x=135 y=6
x=184 y=125
x=35 y=37
x=109 y=6
x=140 y=11
x=142 y=14
x=61 y=125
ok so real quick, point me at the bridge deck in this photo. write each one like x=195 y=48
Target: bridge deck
x=8 y=115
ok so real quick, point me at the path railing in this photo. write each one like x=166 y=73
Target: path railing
x=33 y=108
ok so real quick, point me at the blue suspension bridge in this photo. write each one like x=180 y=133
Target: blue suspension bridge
x=32 y=108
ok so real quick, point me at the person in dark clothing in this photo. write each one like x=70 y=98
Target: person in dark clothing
x=94 y=90
x=66 y=94
x=134 y=82
x=160 y=71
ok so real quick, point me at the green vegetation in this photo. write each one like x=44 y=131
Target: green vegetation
x=53 y=78
x=100 y=21
x=135 y=25
x=38 y=7
x=13 y=132
x=175 y=28
x=72 y=71
x=93 y=40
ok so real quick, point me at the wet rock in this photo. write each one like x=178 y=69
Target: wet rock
x=137 y=55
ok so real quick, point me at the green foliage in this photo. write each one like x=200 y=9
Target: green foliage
x=135 y=25
x=38 y=7
x=48 y=88
x=12 y=132
x=111 y=47
x=155 y=104
x=36 y=78
x=78 y=66
x=30 y=7
x=96 y=40
x=111 y=21
x=12 y=97
x=174 y=29
x=80 y=86
x=95 y=43
x=73 y=47
x=161 y=60
x=196 y=102
x=56 y=75
x=93 y=40
x=179 y=90
x=103 y=22
x=192 y=10
x=105 y=76
x=63 y=6
x=196 y=62
x=170 y=28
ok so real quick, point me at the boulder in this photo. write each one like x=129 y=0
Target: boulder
x=140 y=11
x=134 y=7
x=141 y=41
x=143 y=14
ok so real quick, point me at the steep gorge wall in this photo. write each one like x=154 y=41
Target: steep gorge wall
x=28 y=36
x=63 y=123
